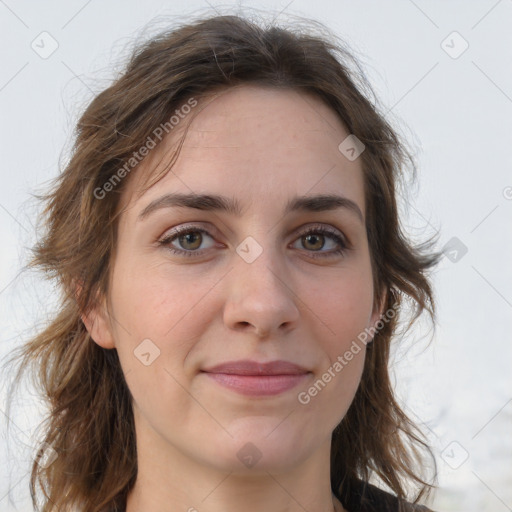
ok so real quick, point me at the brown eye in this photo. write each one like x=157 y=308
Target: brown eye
x=186 y=241
x=191 y=240
x=315 y=242
x=315 y=239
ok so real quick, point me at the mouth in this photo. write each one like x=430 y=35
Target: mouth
x=252 y=378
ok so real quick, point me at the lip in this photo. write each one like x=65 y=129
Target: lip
x=249 y=367
x=255 y=378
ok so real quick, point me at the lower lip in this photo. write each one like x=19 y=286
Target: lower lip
x=258 y=385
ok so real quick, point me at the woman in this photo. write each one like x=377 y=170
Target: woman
x=227 y=238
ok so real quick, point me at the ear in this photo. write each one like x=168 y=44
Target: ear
x=378 y=309
x=97 y=322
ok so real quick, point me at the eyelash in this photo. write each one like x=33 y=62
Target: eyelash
x=342 y=244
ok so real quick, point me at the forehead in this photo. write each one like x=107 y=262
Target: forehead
x=254 y=143
x=266 y=111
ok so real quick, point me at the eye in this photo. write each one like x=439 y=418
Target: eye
x=185 y=241
x=313 y=239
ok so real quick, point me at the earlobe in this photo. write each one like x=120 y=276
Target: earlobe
x=378 y=313
x=379 y=310
x=97 y=324
x=96 y=321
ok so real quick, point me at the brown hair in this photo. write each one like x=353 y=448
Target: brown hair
x=90 y=425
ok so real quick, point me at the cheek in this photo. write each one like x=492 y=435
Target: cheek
x=344 y=311
x=326 y=401
x=150 y=304
x=344 y=306
x=154 y=300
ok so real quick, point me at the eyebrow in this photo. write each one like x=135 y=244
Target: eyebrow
x=208 y=202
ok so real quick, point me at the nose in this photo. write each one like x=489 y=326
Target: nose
x=260 y=297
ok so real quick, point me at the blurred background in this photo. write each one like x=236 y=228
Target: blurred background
x=442 y=72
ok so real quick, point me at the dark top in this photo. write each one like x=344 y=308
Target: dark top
x=368 y=498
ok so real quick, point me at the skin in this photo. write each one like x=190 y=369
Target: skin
x=261 y=146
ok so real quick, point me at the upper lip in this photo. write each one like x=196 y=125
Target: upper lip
x=248 y=367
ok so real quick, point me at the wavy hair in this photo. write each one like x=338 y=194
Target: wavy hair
x=90 y=422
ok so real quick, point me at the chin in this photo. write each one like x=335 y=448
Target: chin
x=263 y=444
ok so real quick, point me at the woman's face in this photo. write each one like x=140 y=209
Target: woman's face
x=264 y=283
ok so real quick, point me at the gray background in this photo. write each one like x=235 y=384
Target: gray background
x=455 y=108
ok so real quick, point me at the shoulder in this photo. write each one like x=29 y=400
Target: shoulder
x=368 y=498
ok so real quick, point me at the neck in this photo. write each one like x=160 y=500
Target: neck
x=170 y=481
